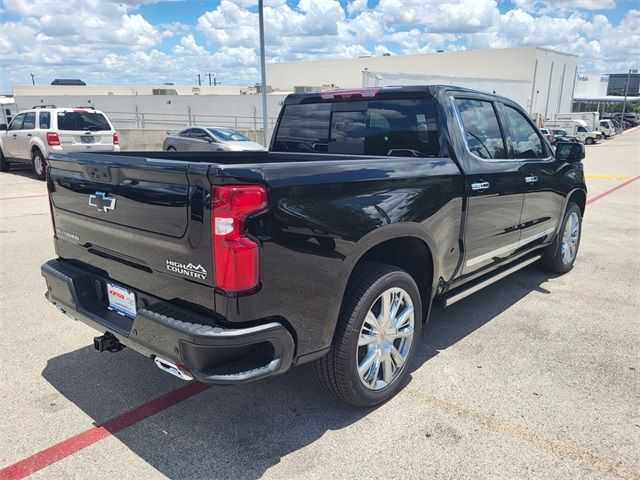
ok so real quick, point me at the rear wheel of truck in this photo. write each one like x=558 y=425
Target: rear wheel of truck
x=171 y=149
x=560 y=256
x=39 y=164
x=4 y=165
x=376 y=336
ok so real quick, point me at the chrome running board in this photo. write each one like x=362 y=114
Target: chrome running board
x=456 y=296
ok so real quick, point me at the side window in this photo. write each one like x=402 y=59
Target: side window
x=526 y=141
x=185 y=133
x=29 y=121
x=16 y=124
x=582 y=129
x=481 y=128
x=199 y=134
x=45 y=120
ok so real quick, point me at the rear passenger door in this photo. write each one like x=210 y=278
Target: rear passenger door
x=543 y=197
x=493 y=183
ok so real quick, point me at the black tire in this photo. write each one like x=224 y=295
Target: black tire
x=39 y=164
x=4 y=165
x=171 y=149
x=338 y=370
x=589 y=141
x=554 y=261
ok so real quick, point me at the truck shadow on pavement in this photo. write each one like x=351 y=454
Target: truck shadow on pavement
x=241 y=431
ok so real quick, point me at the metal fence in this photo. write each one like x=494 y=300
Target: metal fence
x=177 y=121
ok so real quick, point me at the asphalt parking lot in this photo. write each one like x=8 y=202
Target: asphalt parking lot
x=534 y=377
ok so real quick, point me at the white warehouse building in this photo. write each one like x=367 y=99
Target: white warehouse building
x=540 y=80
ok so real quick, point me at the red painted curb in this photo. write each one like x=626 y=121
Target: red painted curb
x=87 y=438
x=611 y=190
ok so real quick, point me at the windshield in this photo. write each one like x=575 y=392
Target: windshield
x=226 y=134
x=82 y=120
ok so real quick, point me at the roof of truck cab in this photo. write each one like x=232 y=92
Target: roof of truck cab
x=366 y=93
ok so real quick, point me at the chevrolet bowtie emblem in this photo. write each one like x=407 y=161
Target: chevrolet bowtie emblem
x=102 y=202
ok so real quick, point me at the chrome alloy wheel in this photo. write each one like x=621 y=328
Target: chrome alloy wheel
x=385 y=339
x=570 y=238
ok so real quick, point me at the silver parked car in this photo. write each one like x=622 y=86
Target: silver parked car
x=210 y=139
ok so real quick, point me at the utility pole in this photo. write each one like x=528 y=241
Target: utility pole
x=263 y=73
x=209 y=78
x=33 y=79
x=199 y=82
x=626 y=88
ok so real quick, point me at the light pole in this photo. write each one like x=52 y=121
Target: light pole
x=263 y=73
x=626 y=88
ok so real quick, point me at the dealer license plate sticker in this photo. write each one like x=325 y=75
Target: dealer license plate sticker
x=121 y=300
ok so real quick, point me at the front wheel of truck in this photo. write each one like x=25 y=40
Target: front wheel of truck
x=376 y=336
x=560 y=256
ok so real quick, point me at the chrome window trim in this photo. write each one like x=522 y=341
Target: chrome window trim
x=508 y=248
x=458 y=119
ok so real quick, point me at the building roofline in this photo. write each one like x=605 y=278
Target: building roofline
x=460 y=52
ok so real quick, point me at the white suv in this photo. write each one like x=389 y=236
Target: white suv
x=34 y=134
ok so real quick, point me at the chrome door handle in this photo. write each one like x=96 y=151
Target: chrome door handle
x=14 y=135
x=531 y=179
x=479 y=186
x=29 y=135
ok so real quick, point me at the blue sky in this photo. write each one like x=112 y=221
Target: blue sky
x=147 y=41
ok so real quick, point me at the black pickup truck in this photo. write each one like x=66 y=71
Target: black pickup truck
x=370 y=206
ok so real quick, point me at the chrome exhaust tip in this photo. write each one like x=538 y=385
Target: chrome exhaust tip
x=170 y=367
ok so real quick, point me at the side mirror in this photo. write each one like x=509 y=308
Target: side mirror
x=569 y=152
x=3 y=126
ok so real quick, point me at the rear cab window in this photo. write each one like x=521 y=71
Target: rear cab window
x=385 y=127
x=82 y=120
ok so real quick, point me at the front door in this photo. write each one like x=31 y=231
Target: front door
x=494 y=185
x=539 y=169
x=24 y=135
x=11 y=143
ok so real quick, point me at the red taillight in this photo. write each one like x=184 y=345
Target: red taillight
x=236 y=256
x=53 y=138
x=115 y=139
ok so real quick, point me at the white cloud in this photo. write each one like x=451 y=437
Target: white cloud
x=459 y=16
x=105 y=42
x=356 y=6
x=563 y=6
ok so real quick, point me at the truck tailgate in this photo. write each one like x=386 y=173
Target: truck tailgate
x=140 y=221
